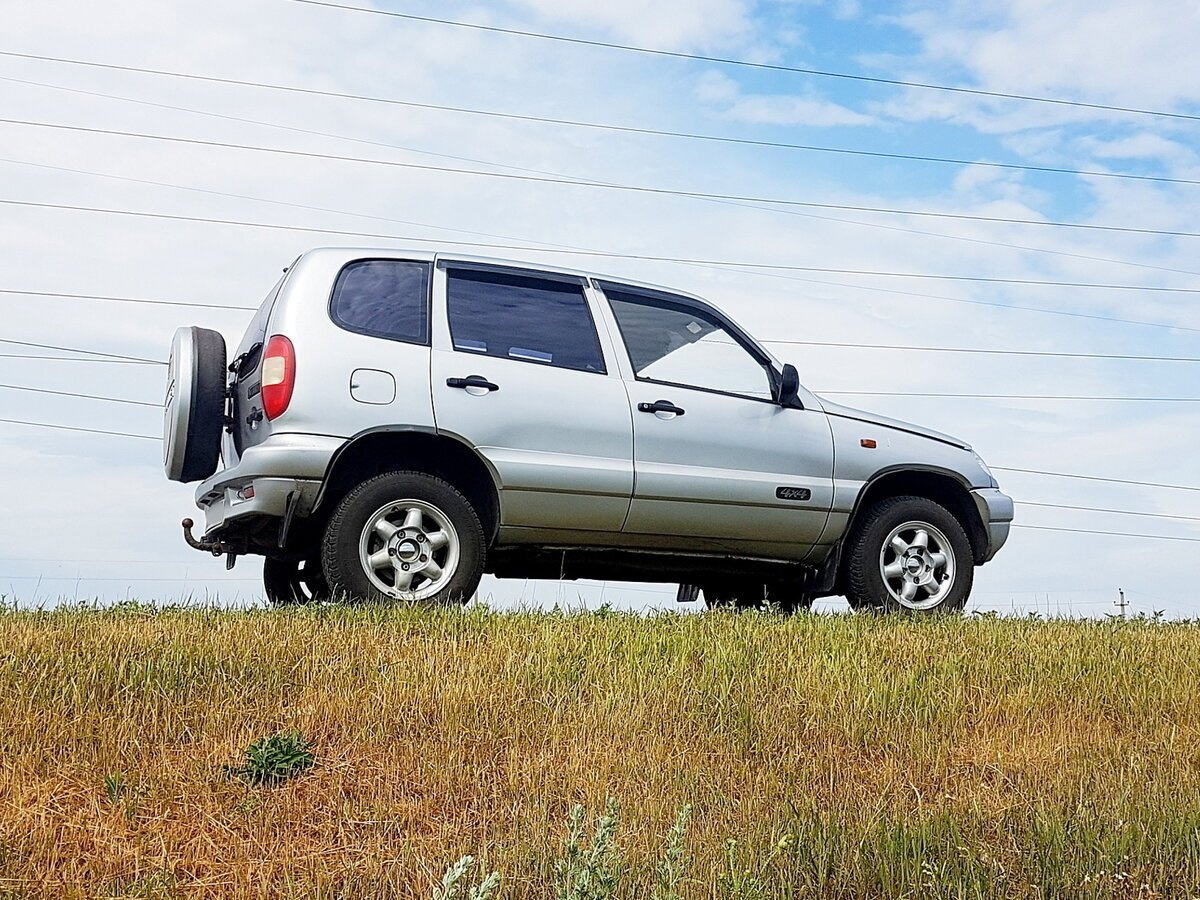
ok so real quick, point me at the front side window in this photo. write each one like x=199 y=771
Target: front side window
x=525 y=317
x=387 y=298
x=675 y=343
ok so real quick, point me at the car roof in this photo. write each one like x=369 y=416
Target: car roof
x=438 y=256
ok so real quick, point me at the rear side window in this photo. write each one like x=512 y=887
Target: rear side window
x=385 y=298
x=523 y=317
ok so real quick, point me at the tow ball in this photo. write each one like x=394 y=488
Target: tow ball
x=216 y=548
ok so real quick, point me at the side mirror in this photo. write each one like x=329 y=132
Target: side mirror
x=789 y=386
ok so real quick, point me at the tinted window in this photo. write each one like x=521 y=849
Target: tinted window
x=679 y=344
x=522 y=317
x=385 y=298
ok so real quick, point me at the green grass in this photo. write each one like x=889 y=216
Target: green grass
x=819 y=756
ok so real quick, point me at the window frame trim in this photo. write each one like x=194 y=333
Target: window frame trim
x=426 y=341
x=665 y=300
x=449 y=265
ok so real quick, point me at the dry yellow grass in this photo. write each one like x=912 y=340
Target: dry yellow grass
x=846 y=756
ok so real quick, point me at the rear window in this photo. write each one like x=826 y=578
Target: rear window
x=385 y=298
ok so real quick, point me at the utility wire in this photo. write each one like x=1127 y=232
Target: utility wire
x=1153 y=484
x=575 y=123
x=1016 y=525
x=113 y=356
x=1008 y=396
x=1007 y=245
x=743 y=63
x=591 y=183
x=35 y=390
x=86 y=359
x=1128 y=534
x=147 y=437
x=986 y=351
x=126 y=299
x=613 y=255
x=1102 y=509
x=542 y=244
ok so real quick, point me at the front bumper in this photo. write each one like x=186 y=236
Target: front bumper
x=260 y=485
x=996 y=513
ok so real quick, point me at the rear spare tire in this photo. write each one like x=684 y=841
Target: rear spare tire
x=194 y=409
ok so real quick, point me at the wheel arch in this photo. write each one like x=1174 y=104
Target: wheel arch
x=388 y=448
x=943 y=486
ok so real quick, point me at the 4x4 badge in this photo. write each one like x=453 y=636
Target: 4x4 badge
x=793 y=493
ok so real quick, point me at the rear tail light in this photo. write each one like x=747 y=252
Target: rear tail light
x=278 y=376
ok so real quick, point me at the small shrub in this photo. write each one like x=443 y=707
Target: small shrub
x=115 y=788
x=273 y=760
x=454 y=882
x=674 y=862
x=590 y=869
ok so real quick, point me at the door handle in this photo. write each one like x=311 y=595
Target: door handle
x=660 y=406
x=472 y=381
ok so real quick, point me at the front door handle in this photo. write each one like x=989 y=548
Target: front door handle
x=472 y=381
x=660 y=406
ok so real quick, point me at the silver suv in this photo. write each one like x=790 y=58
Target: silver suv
x=395 y=424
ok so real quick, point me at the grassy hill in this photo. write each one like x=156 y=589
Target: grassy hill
x=820 y=756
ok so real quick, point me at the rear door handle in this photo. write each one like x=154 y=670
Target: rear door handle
x=660 y=406
x=472 y=381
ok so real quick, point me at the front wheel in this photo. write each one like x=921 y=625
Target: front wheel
x=909 y=555
x=404 y=536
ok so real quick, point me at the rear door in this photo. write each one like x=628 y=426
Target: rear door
x=520 y=372
x=718 y=463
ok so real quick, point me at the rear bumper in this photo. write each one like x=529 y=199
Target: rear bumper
x=264 y=479
x=996 y=513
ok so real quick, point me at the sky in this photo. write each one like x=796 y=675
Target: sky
x=89 y=516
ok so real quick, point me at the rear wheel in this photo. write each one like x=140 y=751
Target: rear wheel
x=909 y=555
x=404 y=536
x=287 y=582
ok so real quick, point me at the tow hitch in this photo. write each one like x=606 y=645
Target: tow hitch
x=216 y=548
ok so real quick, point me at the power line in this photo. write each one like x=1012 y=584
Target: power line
x=85 y=359
x=543 y=244
x=774 y=67
x=591 y=183
x=571 y=123
x=35 y=390
x=123 y=299
x=113 y=356
x=1072 y=475
x=1102 y=509
x=987 y=351
x=148 y=437
x=613 y=255
x=1129 y=534
x=1009 y=396
x=1034 y=309
x=1008 y=245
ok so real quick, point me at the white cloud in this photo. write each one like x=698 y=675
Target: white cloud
x=667 y=24
x=1108 y=52
x=722 y=93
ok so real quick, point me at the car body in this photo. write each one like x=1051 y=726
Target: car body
x=598 y=428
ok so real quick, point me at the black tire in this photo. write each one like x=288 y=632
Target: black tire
x=289 y=582
x=866 y=586
x=195 y=415
x=347 y=575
